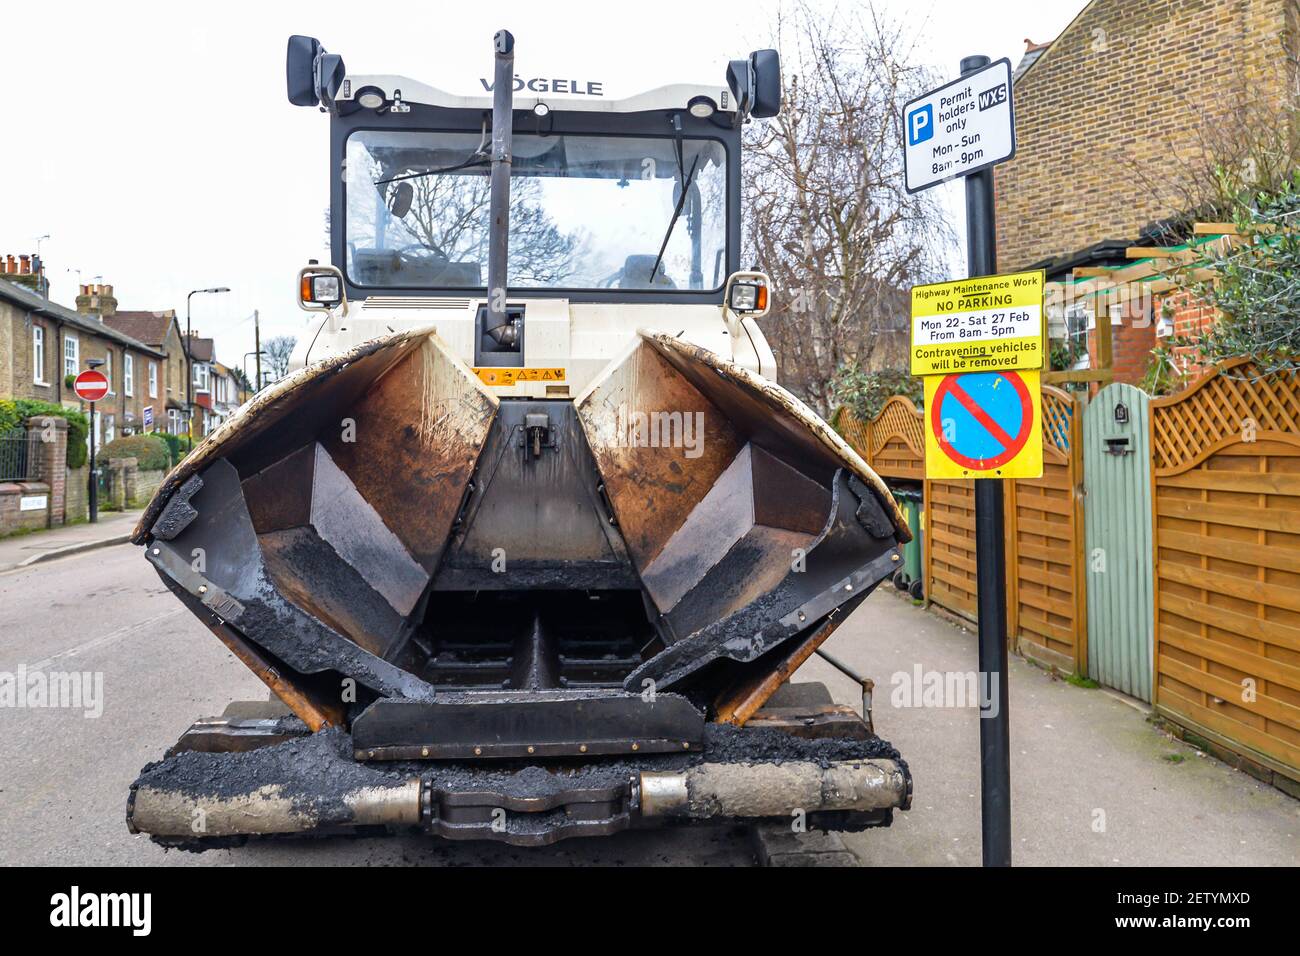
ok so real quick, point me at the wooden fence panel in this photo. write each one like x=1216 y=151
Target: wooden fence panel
x=892 y=443
x=1046 y=598
x=854 y=430
x=950 y=546
x=897 y=441
x=1226 y=502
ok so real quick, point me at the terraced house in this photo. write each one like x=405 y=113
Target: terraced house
x=166 y=382
x=43 y=345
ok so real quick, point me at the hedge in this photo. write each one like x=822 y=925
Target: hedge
x=16 y=411
x=177 y=445
x=150 y=451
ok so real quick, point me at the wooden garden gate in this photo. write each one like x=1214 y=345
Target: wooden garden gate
x=1117 y=509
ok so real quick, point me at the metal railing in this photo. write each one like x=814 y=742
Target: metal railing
x=14 y=459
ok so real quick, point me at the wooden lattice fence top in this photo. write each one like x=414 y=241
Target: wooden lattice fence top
x=1233 y=402
x=1058 y=417
x=855 y=431
x=892 y=443
x=898 y=418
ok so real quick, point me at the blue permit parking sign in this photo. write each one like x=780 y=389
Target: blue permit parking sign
x=960 y=128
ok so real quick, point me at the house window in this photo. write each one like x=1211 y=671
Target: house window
x=174 y=425
x=128 y=374
x=201 y=377
x=110 y=428
x=71 y=355
x=1078 y=320
x=153 y=379
x=108 y=370
x=38 y=354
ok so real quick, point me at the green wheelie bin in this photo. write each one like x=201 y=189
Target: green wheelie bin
x=909 y=577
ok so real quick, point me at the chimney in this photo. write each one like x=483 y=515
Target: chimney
x=97 y=300
x=25 y=271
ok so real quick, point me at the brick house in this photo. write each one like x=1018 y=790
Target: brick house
x=1121 y=98
x=228 y=392
x=43 y=345
x=202 y=354
x=160 y=330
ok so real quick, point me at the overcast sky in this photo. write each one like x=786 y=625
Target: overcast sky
x=154 y=144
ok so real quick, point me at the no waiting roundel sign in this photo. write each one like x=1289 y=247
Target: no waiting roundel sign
x=983 y=425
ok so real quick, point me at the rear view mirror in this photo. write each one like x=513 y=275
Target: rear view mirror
x=756 y=84
x=331 y=74
x=739 y=80
x=765 y=68
x=300 y=70
x=399 y=200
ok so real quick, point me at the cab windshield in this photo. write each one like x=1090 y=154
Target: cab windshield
x=586 y=212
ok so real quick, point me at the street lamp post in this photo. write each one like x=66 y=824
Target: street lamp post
x=189 y=360
x=257 y=385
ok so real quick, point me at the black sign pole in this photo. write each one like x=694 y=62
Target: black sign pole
x=94 y=478
x=990 y=562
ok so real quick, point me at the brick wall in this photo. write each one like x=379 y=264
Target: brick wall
x=1124 y=88
x=76 y=505
x=1188 y=317
x=47 y=460
x=17 y=377
x=146 y=484
x=1132 y=338
x=12 y=516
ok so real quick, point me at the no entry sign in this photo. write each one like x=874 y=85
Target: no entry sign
x=983 y=425
x=90 y=386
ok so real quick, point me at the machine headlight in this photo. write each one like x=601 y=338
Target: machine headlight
x=701 y=107
x=748 y=297
x=325 y=289
x=371 y=98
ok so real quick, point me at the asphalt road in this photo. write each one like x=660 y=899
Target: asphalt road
x=65 y=776
x=1093 y=781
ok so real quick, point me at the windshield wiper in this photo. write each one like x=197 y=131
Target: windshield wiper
x=477 y=159
x=672 y=223
x=480 y=157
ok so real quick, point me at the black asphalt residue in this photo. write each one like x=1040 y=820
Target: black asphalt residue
x=317 y=771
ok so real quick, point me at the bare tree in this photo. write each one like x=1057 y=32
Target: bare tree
x=449 y=218
x=278 y=349
x=828 y=217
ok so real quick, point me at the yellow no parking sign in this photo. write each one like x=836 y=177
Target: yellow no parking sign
x=979 y=343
